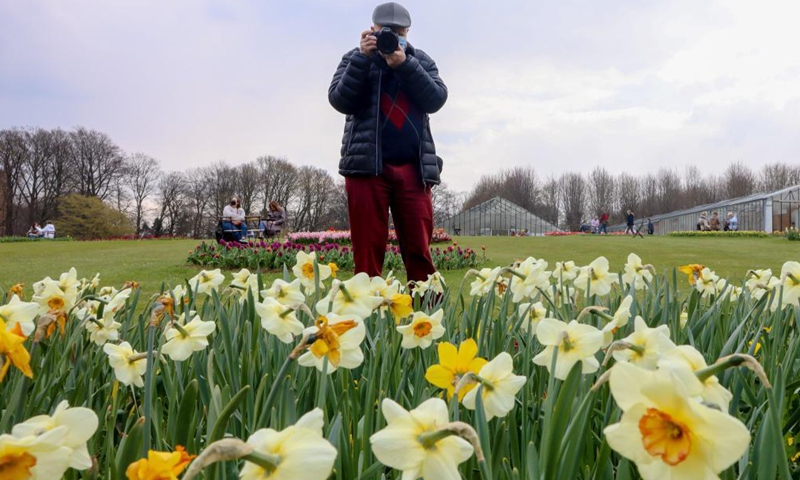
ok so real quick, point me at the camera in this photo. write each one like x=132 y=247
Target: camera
x=387 y=40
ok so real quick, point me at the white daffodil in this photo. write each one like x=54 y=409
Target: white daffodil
x=338 y=342
x=206 y=281
x=757 y=278
x=183 y=340
x=484 y=281
x=790 y=276
x=636 y=273
x=300 y=450
x=500 y=387
x=128 y=367
x=404 y=444
x=243 y=282
x=80 y=424
x=279 y=320
x=107 y=292
x=761 y=289
x=102 y=330
x=706 y=282
x=50 y=297
x=399 y=304
x=351 y=297
x=688 y=361
x=576 y=342
x=422 y=330
x=42 y=457
x=647 y=345
x=289 y=294
x=565 y=271
x=667 y=435
x=529 y=276
x=595 y=278
x=727 y=289
x=68 y=282
x=532 y=313
x=304 y=270
x=621 y=317
x=178 y=293
x=18 y=312
x=435 y=283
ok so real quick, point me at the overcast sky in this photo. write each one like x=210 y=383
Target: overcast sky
x=632 y=85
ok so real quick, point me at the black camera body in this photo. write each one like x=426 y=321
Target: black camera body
x=387 y=40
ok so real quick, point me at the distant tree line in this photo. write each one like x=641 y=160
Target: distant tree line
x=572 y=197
x=39 y=168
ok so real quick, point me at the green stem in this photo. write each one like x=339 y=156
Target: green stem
x=148 y=392
x=429 y=439
x=264 y=460
x=732 y=361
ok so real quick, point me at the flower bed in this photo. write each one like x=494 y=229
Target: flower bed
x=525 y=371
x=721 y=233
x=276 y=255
x=342 y=237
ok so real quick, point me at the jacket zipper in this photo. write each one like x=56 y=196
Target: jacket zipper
x=378 y=159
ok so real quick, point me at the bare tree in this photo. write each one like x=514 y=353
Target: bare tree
x=141 y=177
x=13 y=155
x=198 y=202
x=446 y=203
x=549 y=210
x=223 y=183
x=171 y=201
x=738 y=180
x=314 y=191
x=58 y=177
x=572 y=194
x=278 y=178
x=628 y=194
x=601 y=191
x=248 y=186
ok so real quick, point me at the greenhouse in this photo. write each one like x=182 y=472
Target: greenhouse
x=767 y=212
x=497 y=216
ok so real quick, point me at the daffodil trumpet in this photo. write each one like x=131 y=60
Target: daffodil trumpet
x=731 y=361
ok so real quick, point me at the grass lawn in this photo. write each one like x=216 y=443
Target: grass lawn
x=151 y=262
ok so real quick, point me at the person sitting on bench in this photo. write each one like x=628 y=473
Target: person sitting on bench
x=233 y=219
x=274 y=220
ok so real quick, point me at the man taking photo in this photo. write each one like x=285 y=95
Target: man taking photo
x=387 y=88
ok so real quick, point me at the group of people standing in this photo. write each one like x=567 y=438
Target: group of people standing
x=234 y=219
x=48 y=231
x=730 y=224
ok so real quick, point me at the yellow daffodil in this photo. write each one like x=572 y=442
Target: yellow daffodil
x=18 y=312
x=533 y=313
x=183 y=340
x=206 y=281
x=576 y=342
x=304 y=270
x=453 y=364
x=399 y=304
x=689 y=360
x=12 y=351
x=706 y=282
x=790 y=275
x=79 y=424
x=620 y=319
x=17 y=289
x=338 y=339
x=692 y=271
x=565 y=271
x=595 y=278
x=300 y=451
x=289 y=294
x=667 y=435
x=160 y=465
x=484 y=281
x=351 y=297
x=530 y=275
x=647 y=345
x=500 y=387
x=405 y=444
x=279 y=320
x=334 y=269
x=128 y=364
x=422 y=330
x=636 y=273
x=33 y=457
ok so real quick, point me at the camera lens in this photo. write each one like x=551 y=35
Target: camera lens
x=387 y=41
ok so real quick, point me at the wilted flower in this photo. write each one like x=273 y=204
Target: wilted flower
x=18 y=312
x=351 y=297
x=454 y=364
x=12 y=351
x=595 y=278
x=304 y=270
x=636 y=273
x=576 y=342
x=646 y=345
x=422 y=330
x=667 y=435
x=404 y=444
x=128 y=365
x=206 y=281
x=530 y=275
x=160 y=465
x=183 y=340
x=500 y=387
x=338 y=339
x=76 y=424
x=279 y=320
x=300 y=450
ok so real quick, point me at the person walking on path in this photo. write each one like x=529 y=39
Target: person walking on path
x=387 y=89
x=629 y=221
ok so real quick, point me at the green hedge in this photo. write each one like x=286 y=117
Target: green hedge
x=720 y=233
x=26 y=239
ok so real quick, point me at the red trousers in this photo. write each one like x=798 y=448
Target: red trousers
x=369 y=200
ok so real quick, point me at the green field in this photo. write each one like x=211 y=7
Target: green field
x=151 y=262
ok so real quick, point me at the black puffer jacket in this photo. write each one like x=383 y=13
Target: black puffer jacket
x=355 y=91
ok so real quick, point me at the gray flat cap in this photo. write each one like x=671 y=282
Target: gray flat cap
x=391 y=15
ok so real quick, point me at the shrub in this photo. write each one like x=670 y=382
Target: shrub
x=37 y=239
x=720 y=233
x=792 y=234
x=88 y=218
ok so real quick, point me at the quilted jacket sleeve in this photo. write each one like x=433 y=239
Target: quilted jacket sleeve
x=425 y=87
x=349 y=90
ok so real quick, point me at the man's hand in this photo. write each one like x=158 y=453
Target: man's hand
x=369 y=44
x=395 y=59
